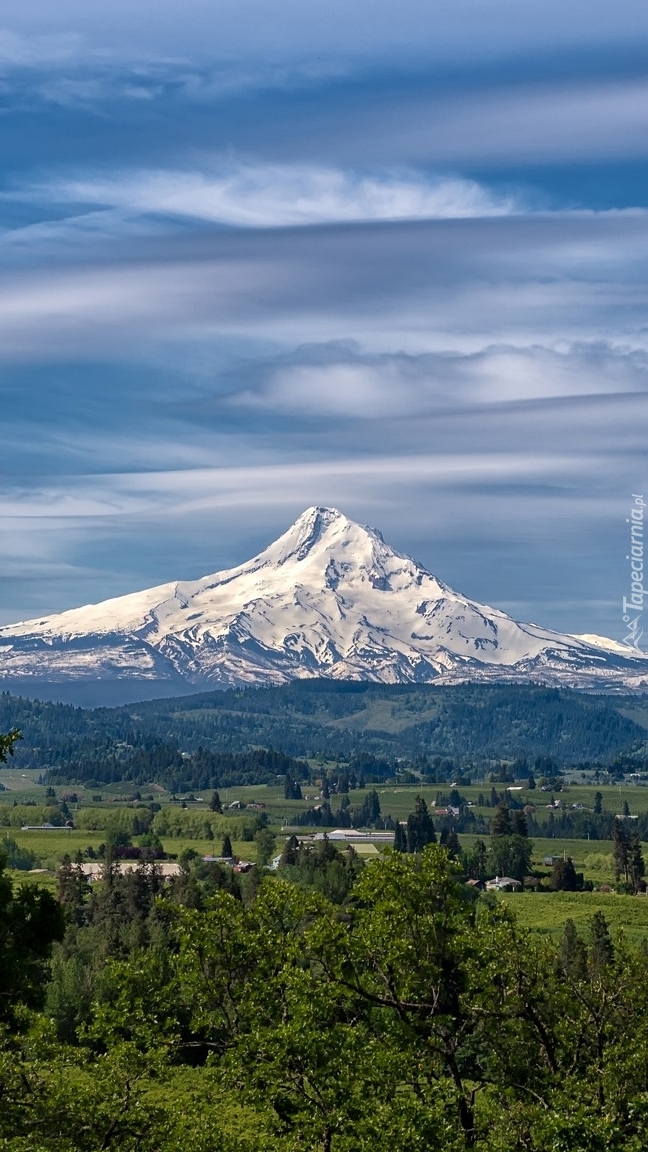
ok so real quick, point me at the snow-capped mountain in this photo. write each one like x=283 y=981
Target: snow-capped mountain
x=329 y=598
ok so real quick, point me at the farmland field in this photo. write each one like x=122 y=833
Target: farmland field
x=547 y=911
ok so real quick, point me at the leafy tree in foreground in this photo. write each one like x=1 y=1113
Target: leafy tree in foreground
x=7 y=742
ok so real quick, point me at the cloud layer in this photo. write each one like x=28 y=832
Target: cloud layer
x=257 y=258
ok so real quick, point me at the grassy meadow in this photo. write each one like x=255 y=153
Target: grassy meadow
x=547 y=912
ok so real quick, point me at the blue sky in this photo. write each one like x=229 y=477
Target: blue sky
x=390 y=257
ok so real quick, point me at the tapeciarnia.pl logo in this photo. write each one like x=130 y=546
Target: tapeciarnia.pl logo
x=633 y=606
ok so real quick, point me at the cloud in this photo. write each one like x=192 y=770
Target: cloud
x=338 y=381
x=271 y=196
x=248 y=30
x=452 y=286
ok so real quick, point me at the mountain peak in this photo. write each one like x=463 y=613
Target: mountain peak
x=317 y=528
x=329 y=598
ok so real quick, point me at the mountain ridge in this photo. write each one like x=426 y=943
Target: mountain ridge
x=329 y=598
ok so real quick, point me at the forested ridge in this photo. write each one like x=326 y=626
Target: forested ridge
x=314 y=718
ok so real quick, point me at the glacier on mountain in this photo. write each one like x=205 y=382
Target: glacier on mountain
x=329 y=598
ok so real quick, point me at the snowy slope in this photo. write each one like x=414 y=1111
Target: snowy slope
x=328 y=598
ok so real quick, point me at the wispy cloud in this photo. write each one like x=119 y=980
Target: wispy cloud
x=274 y=195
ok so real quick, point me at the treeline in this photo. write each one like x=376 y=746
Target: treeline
x=181 y=772
x=439 y=731
x=390 y=1009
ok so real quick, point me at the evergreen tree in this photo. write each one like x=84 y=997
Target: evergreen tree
x=288 y=858
x=369 y=813
x=601 y=951
x=531 y=784
x=326 y=789
x=474 y=861
x=450 y=841
x=73 y=890
x=227 y=846
x=626 y=808
x=572 y=958
x=292 y=788
x=636 y=866
x=501 y=824
x=420 y=827
x=400 y=838
x=520 y=826
x=598 y=803
x=564 y=877
x=215 y=803
x=621 y=849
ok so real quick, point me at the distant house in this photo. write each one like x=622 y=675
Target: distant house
x=503 y=884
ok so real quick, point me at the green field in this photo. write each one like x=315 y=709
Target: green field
x=548 y=911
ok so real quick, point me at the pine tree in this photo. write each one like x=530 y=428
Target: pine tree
x=501 y=824
x=626 y=808
x=531 y=785
x=572 y=958
x=288 y=857
x=480 y=857
x=227 y=846
x=520 y=826
x=215 y=803
x=636 y=866
x=420 y=827
x=450 y=841
x=621 y=848
x=564 y=877
x=598 y=803
x=400 y=838
x=601 y=952
x=292 y=788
